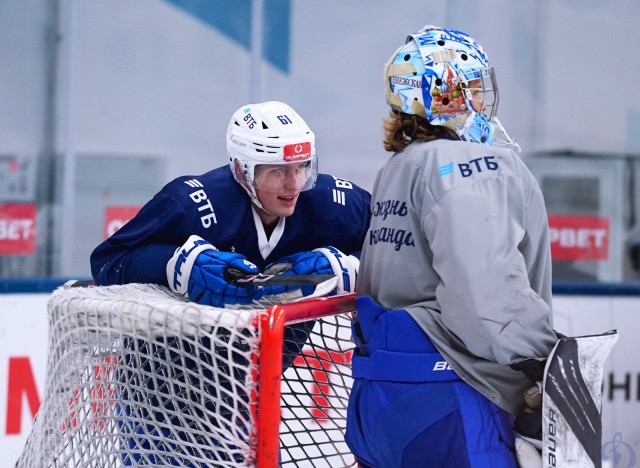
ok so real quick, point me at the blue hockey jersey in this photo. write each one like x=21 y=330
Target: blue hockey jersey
x=215 y=207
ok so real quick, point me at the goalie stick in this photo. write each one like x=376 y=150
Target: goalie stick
x=239 y=278
x=572 y=401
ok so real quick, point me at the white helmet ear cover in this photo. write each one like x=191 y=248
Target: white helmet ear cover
x=344 y=266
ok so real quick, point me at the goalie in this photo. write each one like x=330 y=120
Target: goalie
x=268 y=210
x=455 y=322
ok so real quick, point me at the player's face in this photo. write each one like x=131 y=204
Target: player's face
x=482 y=95
x=477 y=95
x=278 y=186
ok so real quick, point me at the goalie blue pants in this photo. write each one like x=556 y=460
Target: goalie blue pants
x=408 y=409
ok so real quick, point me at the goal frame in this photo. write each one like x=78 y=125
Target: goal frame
x=261 y=379
x=273 y=321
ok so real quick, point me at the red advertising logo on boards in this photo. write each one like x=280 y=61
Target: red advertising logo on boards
x=117 y=216
x=579 y=237
x=18 y=229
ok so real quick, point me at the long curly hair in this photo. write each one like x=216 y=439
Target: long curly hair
x=400 y=129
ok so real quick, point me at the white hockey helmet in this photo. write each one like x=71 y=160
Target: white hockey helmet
x=269 y=133
x=444 y=75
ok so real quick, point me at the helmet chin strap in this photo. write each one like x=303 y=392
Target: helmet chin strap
x=260 y=207
x=466 y=125
x=506 y=140
x=254 y=199
x=501 y=137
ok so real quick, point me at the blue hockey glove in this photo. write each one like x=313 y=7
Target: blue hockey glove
x=323 y=261
x=197 y=269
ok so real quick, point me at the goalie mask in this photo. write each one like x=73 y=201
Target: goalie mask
x=444 y=76
x=269 y=145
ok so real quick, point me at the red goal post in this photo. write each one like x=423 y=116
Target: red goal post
x=274 y=320
x=137 y=375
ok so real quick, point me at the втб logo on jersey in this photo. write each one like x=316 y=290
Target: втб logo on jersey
x=339 y=196
x=446 y=169
x=475 y=166
x=205 y=207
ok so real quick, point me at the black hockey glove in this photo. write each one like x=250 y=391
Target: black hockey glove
x=529 y=425
x=532 y=368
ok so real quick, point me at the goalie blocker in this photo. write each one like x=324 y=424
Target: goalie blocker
x=572 y=401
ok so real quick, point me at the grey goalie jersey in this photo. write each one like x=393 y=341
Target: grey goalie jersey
x=459 y=238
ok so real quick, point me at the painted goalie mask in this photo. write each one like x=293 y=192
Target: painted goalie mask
x=444 y=75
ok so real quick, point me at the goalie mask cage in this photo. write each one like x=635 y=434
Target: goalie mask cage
x=138 y=376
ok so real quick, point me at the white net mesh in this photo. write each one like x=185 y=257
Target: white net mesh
x=139 y=376
x=314 y=396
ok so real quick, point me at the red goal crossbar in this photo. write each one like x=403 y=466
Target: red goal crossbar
x=273 y=321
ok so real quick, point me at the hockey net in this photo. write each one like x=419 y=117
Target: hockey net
x=137 y=375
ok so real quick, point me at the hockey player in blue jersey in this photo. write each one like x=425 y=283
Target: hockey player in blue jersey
x=269 y=205
x=268 y=209
x=454 y=318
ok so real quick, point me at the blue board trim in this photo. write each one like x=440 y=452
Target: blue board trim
x=560 y=288
x=31 y=285
x=594 y=288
